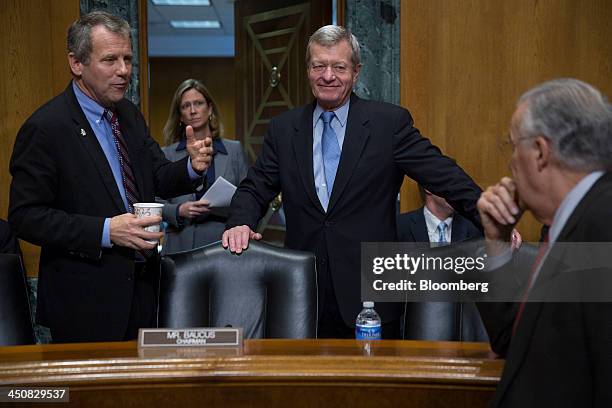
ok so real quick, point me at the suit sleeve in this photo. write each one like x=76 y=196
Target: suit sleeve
x=240 y=161
x=34 y=188
x=261 y=185
x=170 y=210
x=498 y=317
x=424 y=163
x=8 y=241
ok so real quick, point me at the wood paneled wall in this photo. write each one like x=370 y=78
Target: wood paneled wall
x=33 y=69
x=166 y=75
x=465 y=63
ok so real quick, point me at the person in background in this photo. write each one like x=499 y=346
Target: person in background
x=191 y=223
x=437 y=223
x=339 y=163
x=557 y=353
x=79 y=164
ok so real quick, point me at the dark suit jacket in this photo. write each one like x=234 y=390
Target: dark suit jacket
x=61 y=192
x=411 y=227
x=560 y=354
x=380 y=147
x=448 y=321
x=8 y=241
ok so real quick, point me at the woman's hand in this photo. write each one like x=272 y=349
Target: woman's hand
x=192 y=209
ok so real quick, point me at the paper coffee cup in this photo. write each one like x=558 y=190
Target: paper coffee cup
x=147 y=210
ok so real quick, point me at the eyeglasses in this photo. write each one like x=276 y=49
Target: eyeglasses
x=509 y=144
x=337 y=69
x=195 y=104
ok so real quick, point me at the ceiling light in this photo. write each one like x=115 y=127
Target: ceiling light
x=195 y=24
x=181 y=2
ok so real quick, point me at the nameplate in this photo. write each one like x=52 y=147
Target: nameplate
x=191 y=337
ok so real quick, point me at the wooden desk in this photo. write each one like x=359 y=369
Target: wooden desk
x=266 y=373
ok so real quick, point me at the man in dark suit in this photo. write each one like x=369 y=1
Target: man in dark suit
x=436 y=223
x=339 y=163
x=79 y=164
x=423 y=224
x=557 y=353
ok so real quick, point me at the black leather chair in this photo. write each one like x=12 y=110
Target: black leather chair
x=443 y=321
x=15 y=317
x=270 y=292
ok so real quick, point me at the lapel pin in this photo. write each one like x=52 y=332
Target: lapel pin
x=83 y=132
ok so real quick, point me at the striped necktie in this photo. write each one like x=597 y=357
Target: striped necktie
x=127 y=174
x=330 y=148
x=442 y=233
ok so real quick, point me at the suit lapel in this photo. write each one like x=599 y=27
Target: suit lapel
x=302 y=147
x=355 y=139
x=418 y=227
x=87 y=137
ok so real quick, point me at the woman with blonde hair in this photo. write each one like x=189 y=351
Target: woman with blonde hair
x=191 y=223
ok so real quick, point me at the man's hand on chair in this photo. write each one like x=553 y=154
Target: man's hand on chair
x=237 y=238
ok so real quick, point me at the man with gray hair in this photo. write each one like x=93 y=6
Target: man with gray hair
x=339 y=163
x=557 y=354
x=79 y=164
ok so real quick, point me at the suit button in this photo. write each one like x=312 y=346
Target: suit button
x=329 y=223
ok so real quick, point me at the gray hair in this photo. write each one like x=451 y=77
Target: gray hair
x=79 y=32
x=575 y=117
x=331 y=35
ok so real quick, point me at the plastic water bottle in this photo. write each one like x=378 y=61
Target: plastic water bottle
x=368 y=324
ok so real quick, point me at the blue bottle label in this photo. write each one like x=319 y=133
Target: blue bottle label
x=363 y=332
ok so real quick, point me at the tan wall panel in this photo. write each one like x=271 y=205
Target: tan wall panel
x=464 y=64
x=166 y=75
x=32 y=70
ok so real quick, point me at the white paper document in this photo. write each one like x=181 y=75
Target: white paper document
x=220 y=193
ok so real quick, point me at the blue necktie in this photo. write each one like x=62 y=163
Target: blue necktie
x=442 y=233
x=330 y=149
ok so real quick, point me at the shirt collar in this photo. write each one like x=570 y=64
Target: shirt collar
x=569 y=204
x=432 y=221
x=341 y=113
x=91 y=108
x=217 y=144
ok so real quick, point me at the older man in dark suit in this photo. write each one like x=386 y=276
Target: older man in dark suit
x=339 y=163
x=79 y=164
x=557 y=353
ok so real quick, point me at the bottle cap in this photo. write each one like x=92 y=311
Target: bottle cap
x=368 y=304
